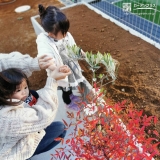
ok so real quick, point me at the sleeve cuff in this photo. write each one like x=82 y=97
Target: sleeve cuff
x=35 y=65
x=51 y=83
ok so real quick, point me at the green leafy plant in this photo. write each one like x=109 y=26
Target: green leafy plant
x=111 y=66
x=95 y=61
x=75 y=52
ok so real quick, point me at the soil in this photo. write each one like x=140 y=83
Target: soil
x=139 y=72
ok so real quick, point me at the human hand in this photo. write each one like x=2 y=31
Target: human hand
x=45 y=61
x=57 y=74
x=53 y=65
x=64 y=69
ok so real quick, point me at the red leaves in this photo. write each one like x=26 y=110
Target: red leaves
x=65 y=122
x=104 y=136
x=139 y=114
x=155 y=119
x=156 y=133
x=58 y=139
x=70 y=115
x=67 y=141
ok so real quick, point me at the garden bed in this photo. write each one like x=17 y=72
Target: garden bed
x=139 y=71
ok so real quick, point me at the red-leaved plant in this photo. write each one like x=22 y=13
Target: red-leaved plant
x=114 y=132
x=103 y=130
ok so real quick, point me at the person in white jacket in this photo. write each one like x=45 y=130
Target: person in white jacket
x=25 y=130
x=54 y=42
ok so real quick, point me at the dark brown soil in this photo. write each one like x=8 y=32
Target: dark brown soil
x=139 y=71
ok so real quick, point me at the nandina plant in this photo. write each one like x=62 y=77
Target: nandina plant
x=104 y=131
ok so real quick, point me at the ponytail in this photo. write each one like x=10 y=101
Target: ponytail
x=42 y=10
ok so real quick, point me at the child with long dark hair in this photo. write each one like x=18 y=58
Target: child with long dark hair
x=54 y=42
x=26 y=130
x=16 y=86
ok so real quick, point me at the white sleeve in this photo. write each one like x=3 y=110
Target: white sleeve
x=17 y=60
x=43 y=46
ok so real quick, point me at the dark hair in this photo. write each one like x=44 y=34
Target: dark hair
x=9 y=80
x=53 y=20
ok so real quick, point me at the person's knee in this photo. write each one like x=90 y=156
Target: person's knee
x=63 y=134
x=58 y=124
x=61 y=127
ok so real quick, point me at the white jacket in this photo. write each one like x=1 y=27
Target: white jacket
x=16 y=60
x=22 y=126
x=46 y=45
